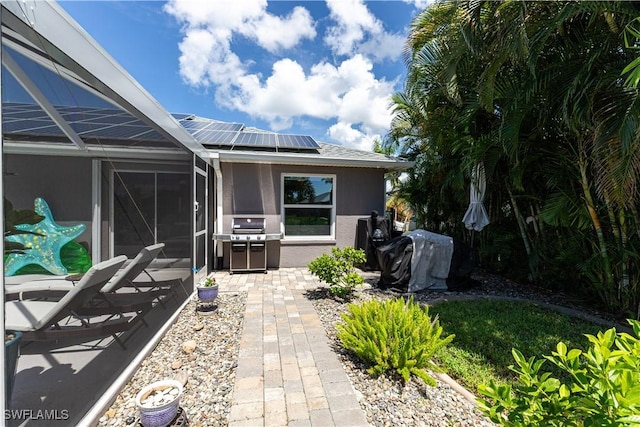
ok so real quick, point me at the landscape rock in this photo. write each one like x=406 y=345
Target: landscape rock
x=189 y=346
x=182 y=377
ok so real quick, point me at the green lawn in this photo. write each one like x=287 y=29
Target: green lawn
x=486 y=331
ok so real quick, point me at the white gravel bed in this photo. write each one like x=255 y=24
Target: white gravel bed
x=210 y=367
x=386 y=400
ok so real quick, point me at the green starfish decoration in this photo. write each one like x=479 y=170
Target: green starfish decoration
x=42 y=242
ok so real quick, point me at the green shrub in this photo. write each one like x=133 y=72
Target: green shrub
x=393 y=335
x=603 y=388
x=338 y=270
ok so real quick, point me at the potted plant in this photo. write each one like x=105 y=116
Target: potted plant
x=158 y=403
x=208 y=289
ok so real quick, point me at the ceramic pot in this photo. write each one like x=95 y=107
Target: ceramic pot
x=207 y=294
x=158 y=403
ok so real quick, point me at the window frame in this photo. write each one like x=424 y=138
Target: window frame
x=332 y=226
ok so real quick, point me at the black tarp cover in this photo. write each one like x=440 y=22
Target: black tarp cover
x=395 y=256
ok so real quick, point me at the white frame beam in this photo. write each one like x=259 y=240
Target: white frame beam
x=38 y=96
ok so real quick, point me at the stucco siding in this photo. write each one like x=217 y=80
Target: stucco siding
x=255 y=189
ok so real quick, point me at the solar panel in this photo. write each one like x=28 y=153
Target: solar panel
x=30 y=119
x=115 y=132
x=216 y=137
x=255 y=139
x=112 y=120
x=149 y=135
x=70 y=109
x=50 y=131
x=194 y=126
x=87 y=128
x=90 y=110
x=31 y=126
x=78 y=117
x=116 y=124
x=300 y=142
x=12 y=108
x=181 y=116
x=231 y=127
x=37 y=114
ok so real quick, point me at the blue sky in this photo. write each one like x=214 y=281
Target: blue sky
x=321 y=68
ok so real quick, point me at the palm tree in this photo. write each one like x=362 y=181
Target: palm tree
x=533 y=90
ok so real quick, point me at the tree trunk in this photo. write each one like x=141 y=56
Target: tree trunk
x=523 y=231
x=584 y=181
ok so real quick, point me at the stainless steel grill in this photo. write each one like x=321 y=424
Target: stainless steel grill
x=248 y=244
x=246 y=228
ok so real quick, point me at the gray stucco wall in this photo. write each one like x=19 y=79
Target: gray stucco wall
x=254 y=189
x=63 y=182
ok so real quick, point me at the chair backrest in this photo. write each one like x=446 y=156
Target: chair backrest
x=88 y=287
x=133 y=269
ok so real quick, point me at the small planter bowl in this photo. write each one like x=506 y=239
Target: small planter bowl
x=165 y=412
x=208 y=293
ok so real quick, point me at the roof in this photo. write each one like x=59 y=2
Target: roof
x=310 y=152
x=326 y=155
x=28 y=126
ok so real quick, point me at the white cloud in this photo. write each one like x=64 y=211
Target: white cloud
x=346 y=93
x=274 y=33
x=420 y=4
x=206 y=59
x=230 y=15
x=357 y=30
x=349 y=93
x=209 y=26
x=351 y=137
x=384 y=46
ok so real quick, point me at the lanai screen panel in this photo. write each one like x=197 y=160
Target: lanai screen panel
x=92 y=117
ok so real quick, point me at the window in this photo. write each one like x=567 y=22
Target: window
x=308 y=206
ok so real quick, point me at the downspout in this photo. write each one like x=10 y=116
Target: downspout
x=215 y=161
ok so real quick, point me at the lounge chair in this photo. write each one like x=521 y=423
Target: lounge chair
x=57 y=286
x=42 y=320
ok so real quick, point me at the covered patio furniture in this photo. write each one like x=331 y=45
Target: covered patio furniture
x=51 y=320
x=421 y=260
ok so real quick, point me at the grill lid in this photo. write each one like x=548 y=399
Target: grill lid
x=248 y=225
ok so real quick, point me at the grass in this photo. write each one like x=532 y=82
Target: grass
x=487 y=330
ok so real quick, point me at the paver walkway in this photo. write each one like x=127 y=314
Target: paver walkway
x=287 y=374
